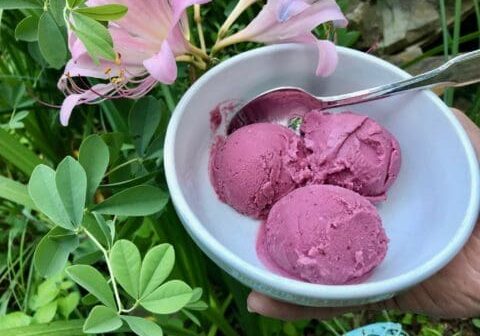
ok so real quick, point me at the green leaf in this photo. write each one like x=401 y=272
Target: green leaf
x=198 y=305
x=51 y=42
x=155 y=149
x=114 y=142
x=104 y=13
x=156 y=267
x=126 y=261
x=137 y=201
x=17 y=154
x=94 y=157
x=88 y=258
x=101 y=320
x=476 y=323
x=27 y=29
x=75 y=3
x=47 y=291
x=45 y=195
x=56 y=8
x=15 y=192
x=58 y=328
x=89 y=300
x=143 y=327
x=71 y=182
x=94 y=282
x=20 y=4
x=168 y=298
x=132 y=182
x=196 y=294
x=46 y=313
x=95 y=37
x=144 y=119
x=14 y=320
x=51 y=255
x=192 y=317
x=96 y=225
x=67 y=304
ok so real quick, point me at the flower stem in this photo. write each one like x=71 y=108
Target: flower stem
x=241 y=6
x=197 y=52
x=219 y=45
x=109 y=266
x=188 y=59
x=197 y=16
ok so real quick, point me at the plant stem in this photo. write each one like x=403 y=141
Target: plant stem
x=197 y=52
x=214 y=328
x=329 y=327
x=443 y=19
x=449 y=94
x=188 y=59
x=109 y=266
x=120 y=166
x=168 y=98
x=198 y=20
x=241 y=6
x=439 y=49
x=476 y=3
x=340 y=326
x=130 y=309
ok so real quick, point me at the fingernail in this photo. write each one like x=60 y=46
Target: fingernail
x=250 y=307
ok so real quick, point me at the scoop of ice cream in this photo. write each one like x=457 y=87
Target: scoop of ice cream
x=323 y=234
x=257 y=165
x=352 y=151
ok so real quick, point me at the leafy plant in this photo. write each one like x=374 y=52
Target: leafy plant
x=61 y=196
x=47 y=27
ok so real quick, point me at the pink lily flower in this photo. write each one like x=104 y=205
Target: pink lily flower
x=284 y=21
x=146 y=40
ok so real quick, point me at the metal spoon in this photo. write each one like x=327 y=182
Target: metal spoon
x=284 y=103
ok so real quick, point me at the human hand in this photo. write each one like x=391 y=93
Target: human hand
x=453 y=292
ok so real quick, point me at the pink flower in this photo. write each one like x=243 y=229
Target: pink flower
x=283 y=21
x=147 y=40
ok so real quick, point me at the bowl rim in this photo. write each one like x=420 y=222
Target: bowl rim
x=211 y=245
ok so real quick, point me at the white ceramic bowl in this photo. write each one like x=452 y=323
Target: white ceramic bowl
x=430 y=211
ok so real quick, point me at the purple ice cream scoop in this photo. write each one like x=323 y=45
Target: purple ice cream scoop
x=257 y=165
x=351 y=151
x=323 y=234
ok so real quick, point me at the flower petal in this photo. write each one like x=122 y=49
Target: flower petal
x=289 y=8
x=327 y=58
x=179 y=7
x=95 y=93
x=162 y=66
x=266 y=27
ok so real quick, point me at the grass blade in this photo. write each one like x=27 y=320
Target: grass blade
x=15 y=192
x=476 y=4
x=62 y=328
x=17 y=154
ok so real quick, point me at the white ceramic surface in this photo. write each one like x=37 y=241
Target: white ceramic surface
x=430 y=211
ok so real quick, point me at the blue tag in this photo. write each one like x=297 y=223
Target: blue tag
x=379 y=329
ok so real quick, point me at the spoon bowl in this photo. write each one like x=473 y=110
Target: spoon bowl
x=284 y=103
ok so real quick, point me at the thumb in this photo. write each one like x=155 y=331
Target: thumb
x=266 y=306
x=472 y=130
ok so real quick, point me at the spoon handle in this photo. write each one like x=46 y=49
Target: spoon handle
x=459 y=71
